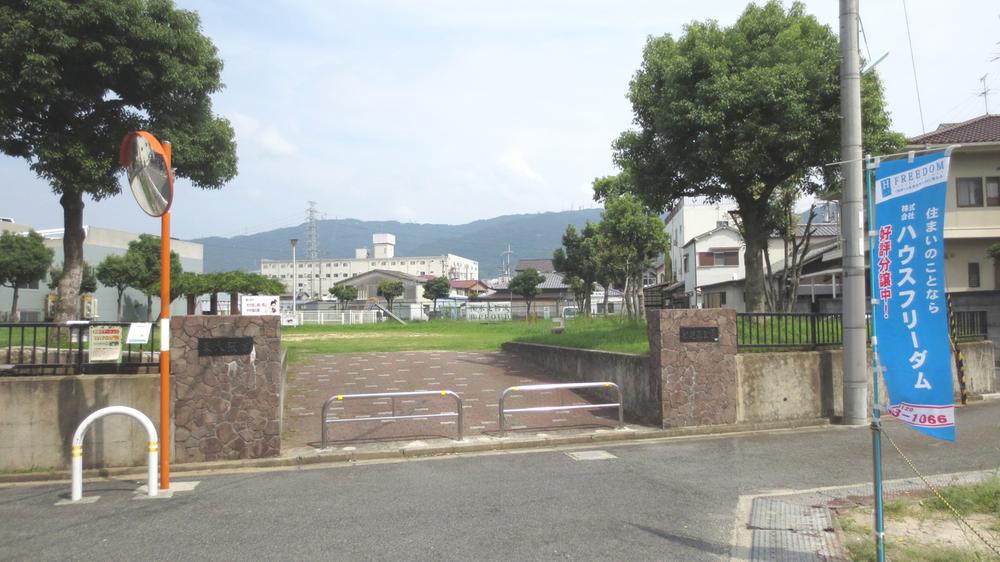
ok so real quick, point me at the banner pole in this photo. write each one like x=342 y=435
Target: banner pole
x=876 y=425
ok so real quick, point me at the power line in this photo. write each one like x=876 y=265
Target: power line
x=913 y=62
x=861 y=24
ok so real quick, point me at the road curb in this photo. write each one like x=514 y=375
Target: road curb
x=513 y=442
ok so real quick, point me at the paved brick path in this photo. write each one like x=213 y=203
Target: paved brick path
x=478 y=378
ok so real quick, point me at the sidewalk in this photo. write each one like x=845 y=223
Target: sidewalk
x=477 y=377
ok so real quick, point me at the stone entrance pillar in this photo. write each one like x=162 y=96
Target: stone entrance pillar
x=694 y=350
x=228 y=384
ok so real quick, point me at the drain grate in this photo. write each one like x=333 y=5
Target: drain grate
x=591 y=455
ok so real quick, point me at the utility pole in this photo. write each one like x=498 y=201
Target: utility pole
x=852 y=221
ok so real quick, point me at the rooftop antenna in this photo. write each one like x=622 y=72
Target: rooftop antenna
x=985 y=92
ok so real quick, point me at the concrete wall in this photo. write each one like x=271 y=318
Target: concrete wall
x=640 y=389
x=38 y=416
x=807 y=385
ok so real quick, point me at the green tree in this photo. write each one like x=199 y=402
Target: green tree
x=577 y=260
x=144 y=254
x=390 y=291
x=632 y=238
x=189 y=285
x=526 y=284
x=437 y=288
x=241 y=282
x=740 y=112
x=118 y=272
x=344 y=293
x=994 y=251
x=24 y=259
x=77 y=76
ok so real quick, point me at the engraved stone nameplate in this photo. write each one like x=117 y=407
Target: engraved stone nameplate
x=699 y=334
x=215 y=347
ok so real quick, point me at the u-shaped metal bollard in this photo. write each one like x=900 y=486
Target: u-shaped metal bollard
x=76 y=493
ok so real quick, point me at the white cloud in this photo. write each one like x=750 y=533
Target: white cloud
x=250 y=131
x=515 y=163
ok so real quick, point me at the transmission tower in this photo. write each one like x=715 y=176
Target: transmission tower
x=312 y=248
x=312 y=231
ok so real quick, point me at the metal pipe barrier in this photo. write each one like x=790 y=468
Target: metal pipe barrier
x=77 y=451
x=531 y=387
x=393 y=396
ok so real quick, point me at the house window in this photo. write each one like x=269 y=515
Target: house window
x=720 y=224
x=970 y=192
x=993 y=192
x=719 y=258
x=685 y=263
x=973 y=275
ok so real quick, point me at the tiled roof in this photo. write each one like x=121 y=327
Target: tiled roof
x=552 y=281
x=821 y=229
x=466 y=283
x=540 y=264
x=985 y=128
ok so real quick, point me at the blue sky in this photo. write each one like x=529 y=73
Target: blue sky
x=452 y=111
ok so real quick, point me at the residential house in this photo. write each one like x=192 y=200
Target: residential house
x=469 y=288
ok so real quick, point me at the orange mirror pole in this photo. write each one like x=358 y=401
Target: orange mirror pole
x=165 y=437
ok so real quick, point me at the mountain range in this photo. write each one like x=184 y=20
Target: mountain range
x=529 y=236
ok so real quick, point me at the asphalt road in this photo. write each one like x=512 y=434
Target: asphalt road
x=667 y=500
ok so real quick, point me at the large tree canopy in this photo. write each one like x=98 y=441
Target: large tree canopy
x=75 y=77
x=740 y=112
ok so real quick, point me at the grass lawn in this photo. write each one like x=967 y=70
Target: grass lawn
x=922 y=528
x=438 y=335
x=610 y=334
x=619 y=334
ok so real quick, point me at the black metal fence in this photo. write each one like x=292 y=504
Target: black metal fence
x=812 y=331
x=788 y=330
x=64 y=349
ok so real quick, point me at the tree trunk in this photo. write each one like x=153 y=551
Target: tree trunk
x=121 y=292
x=754 y=287
x=149 y=308
x=606 y=289
x=213 y=303
x=641 y=300
x=626 y=300
x=14 y=316
x=73 y=236
x=191 y=304
x=234 y=304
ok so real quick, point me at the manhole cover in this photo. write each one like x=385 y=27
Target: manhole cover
x=591 y=455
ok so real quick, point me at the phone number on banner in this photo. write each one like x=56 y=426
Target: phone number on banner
x=924 y=416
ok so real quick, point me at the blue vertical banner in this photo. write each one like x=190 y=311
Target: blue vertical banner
x=911 y=311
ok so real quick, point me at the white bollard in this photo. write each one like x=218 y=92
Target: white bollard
x=76 y=490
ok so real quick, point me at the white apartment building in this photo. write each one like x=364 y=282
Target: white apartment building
x=691 y=217
x=315 y=277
